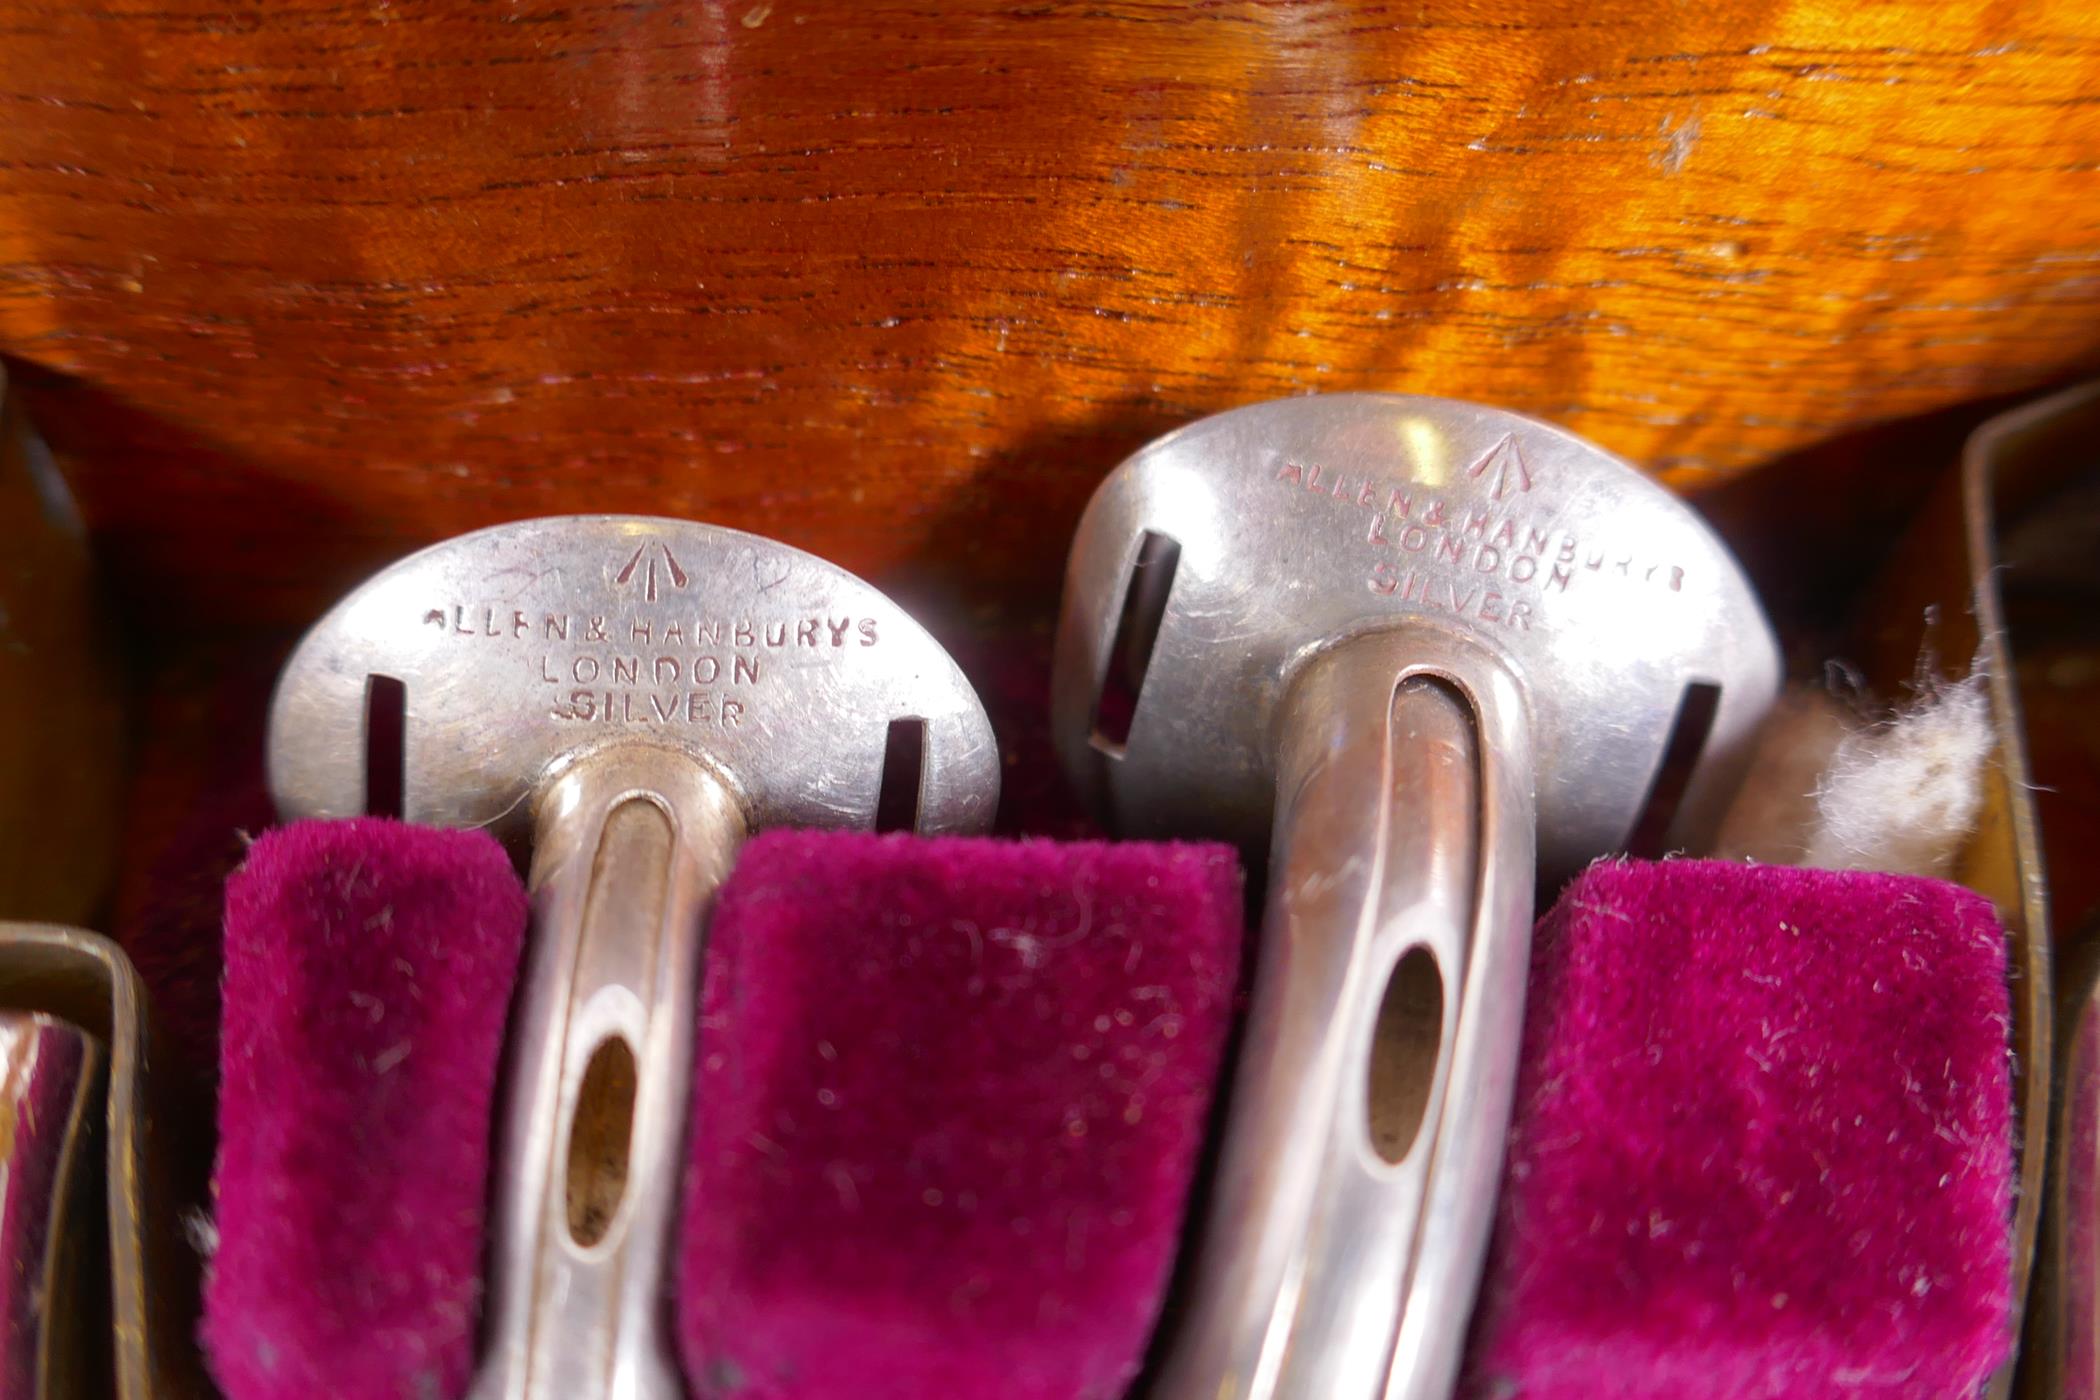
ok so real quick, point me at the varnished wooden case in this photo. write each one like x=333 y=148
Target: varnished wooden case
x=292 y=291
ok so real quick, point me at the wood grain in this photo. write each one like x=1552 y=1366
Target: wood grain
x=296 y=286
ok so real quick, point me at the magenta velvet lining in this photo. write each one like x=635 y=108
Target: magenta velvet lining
x=1763 y=1142
x=989 y=1064
x=950 y=1099
x=950 y=1096
x=369 y=968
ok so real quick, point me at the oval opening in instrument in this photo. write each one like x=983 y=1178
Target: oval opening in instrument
x=386 y=745
x=1697 y=709
x=599 y=1137
x=1145 y=595
x=903 y=776
x=1403 y=1053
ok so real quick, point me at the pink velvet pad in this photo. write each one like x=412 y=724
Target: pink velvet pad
x=949 y=1100
x=1763 y=1143
x=369 y=968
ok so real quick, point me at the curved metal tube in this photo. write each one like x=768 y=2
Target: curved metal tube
x=1344 y=1244
x=632 y=844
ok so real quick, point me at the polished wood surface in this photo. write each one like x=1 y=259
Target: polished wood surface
x=294 y=287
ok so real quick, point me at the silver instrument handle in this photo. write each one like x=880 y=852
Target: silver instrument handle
x=1357 y=1187
x=632 y=843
